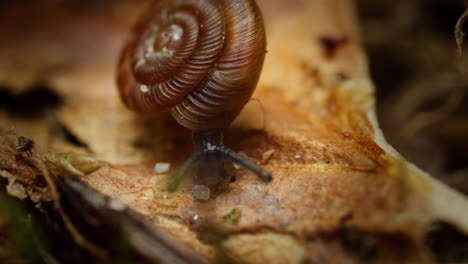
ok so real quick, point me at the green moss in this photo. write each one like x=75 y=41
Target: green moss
x=233 y=216
x=26 y=235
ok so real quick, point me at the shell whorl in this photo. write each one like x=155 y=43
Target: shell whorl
x=198 y=59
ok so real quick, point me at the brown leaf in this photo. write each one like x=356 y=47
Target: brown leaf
x=340 y=192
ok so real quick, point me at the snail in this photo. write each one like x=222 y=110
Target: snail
x=200 y=61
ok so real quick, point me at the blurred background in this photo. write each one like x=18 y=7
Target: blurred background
x=421 y=100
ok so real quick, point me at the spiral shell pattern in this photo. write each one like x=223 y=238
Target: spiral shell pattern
x=198 y=59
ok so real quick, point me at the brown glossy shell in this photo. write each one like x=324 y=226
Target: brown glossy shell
x=198 y=59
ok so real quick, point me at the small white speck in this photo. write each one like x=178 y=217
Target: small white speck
x=267 y=154
x=192 y=216
x=236 y=166
x=167 y=52
x=210 y=147
x=140 y=63
x=162 y=167
x=177 y=32
x=115 y=204
x=144 y=88
x=195 y=217
x=298 y=155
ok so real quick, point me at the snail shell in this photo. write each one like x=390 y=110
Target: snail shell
x=198 y=59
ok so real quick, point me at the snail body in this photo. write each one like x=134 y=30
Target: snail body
x=200 y=60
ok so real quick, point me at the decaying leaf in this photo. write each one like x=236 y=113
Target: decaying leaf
x=71 y=164
x=340 y=192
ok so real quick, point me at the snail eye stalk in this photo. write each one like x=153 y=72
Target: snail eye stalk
x=210 y=156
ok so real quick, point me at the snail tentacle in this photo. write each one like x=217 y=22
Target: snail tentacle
x=246 y=163
x=183 y=171
x=209 y=157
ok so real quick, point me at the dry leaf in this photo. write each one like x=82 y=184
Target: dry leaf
x=340 y=192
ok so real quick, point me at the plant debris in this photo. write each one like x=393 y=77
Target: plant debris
x=162 y=167
x=233 y=216
x=70 y=163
